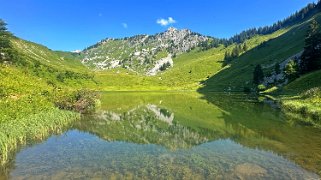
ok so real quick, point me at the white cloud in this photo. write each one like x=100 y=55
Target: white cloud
x=166 y=22
x=125 y=25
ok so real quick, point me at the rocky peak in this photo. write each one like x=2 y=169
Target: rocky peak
x=172 y=29
x=143 y=53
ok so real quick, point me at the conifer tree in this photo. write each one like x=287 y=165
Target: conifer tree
x=4 y=41
x=311 y=57
x=258 y=74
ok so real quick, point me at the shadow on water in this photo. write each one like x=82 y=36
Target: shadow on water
x=273 y=129
x=176 y=135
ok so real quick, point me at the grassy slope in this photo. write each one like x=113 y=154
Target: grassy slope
x=27 y=93
x=240 y=72
x=304 y=83
x=189 y=70
x=34 y=52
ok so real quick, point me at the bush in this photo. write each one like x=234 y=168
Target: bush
x=291 y=70
x=82 y=101
x=165 y=66
x=311 y=93
x=261 y=87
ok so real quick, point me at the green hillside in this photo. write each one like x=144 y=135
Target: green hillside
x=35 y=87
x=304 y=83
x=33 y=53
x=239 y=73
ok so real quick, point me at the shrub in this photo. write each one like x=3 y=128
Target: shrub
x=261 y=87
x=291 y=70
x=165 y=66
x=311 y=93
x=82 y=101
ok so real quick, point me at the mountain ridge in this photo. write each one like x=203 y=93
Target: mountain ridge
x=146 y=54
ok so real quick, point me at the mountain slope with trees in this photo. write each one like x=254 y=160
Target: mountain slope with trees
x=238 y=74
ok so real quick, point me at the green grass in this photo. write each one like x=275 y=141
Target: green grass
x=302 y=99
x=28 y=92
x=27 y=109
x=304 y=83
x=33 y=127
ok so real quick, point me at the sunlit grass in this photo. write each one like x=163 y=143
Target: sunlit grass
x=33 y=127
x=307 y=106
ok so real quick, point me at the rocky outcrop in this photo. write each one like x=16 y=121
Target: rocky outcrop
x=142 y=53
x=280 y=78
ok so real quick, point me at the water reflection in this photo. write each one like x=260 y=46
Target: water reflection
x=147 y=124
x=177 y=135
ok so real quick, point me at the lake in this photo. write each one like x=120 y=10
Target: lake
x=176 y=136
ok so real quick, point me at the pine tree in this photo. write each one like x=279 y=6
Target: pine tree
x=7 y=53
x=311 y=57
x=258 y=74
x=5 y=47
x=3 y=25
x=4 y=41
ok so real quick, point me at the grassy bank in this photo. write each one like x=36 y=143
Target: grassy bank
x=301 y=99
x=29 y=112
x=305 y=108
x=37 y=100
x=32 y=128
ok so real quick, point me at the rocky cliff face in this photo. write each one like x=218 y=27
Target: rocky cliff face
x=147 y=54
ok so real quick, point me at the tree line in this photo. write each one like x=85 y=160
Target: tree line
x=299 y=16
x=236 y=51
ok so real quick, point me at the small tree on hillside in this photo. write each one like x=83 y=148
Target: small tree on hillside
x=5 y=46
x=291 y=70
x=311 y=57
x=4 y=41
x=258 y=74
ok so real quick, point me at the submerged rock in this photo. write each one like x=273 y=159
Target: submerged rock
x=248 y=170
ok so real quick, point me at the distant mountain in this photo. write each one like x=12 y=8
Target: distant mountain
x=142 y=53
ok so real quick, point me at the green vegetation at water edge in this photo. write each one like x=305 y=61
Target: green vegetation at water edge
x=35 y=82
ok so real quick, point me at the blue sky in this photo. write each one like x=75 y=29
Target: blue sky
x=75 y=24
